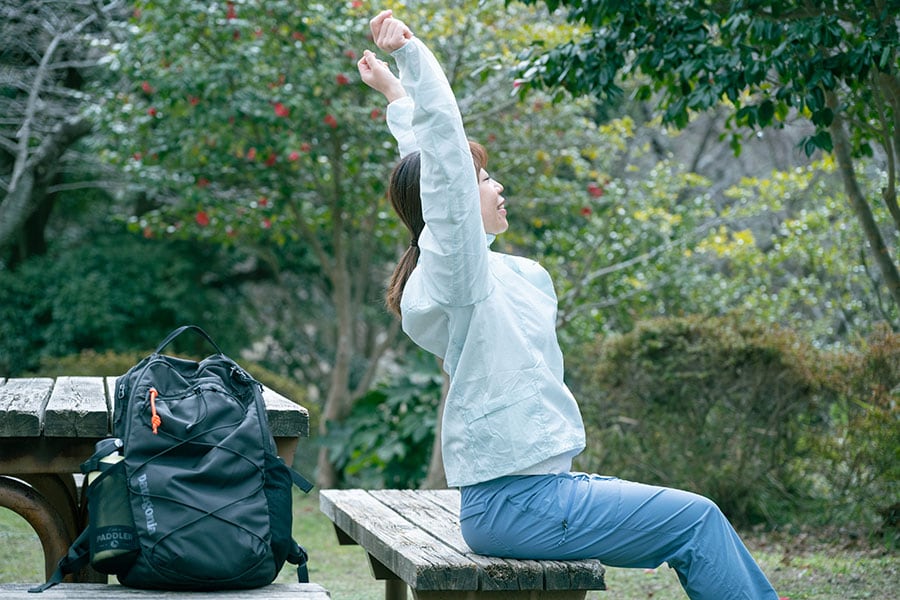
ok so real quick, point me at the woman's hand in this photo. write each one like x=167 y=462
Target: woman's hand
x=377 y=75
x=389 y=33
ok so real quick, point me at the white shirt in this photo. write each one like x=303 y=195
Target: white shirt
x=491 y=317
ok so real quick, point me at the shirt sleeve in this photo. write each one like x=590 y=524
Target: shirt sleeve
x=399 y=121
x=453 y=245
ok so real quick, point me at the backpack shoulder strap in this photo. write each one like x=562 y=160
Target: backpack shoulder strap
x=297 y=556
x=300 y=481
x=76 y=558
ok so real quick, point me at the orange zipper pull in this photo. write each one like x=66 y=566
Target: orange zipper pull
x=155 y=421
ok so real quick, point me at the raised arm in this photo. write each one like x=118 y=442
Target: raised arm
x=454 y=253
x=377 y=75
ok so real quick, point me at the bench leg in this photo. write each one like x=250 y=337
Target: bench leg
x=60 y=492
x=41 y=515
x=502 y=595
x=395 y=589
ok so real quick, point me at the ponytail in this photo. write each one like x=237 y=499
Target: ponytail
x=398 y=279
x=403 y=193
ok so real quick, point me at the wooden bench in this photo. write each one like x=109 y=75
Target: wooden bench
x=412 y=538
x=48 y=427
x=100 y=591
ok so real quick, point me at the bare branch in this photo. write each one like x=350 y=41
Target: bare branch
x=83 y=185
x=7 y=145
x=389 y=341
x=74 y=64
x=24 y=133
x=636 y=260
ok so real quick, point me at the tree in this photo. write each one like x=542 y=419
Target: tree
x=833 y=63
x=45 y=52
x=245 y=125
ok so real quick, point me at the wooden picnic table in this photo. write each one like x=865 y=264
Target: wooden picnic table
x=412 y=539
x=48 y=427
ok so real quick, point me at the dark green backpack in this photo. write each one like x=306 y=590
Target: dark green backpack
x=191 y=494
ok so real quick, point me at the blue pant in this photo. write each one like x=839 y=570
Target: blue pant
x=624 y=524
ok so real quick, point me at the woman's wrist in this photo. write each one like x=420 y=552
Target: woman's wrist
x=394 y=92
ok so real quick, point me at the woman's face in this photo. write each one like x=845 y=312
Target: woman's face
x=493 y=210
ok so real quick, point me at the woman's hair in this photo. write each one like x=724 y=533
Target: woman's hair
x=403 y=192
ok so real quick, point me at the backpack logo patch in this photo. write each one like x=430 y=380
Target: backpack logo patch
x=146 y=504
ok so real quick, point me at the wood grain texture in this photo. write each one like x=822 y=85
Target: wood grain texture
x=387 y=524
x=83 y=407
x=415 y=556
x=22 y=404
x=78 y=407
x=286 y=418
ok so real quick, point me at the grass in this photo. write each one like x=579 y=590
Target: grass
x=800 y=567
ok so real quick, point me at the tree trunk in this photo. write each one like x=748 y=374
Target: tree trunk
x=436 y=479
x=860 y=206
x=890 y=89
x=338 y=402
x=28 y=191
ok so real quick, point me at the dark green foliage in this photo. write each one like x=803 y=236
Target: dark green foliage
x=717 y=406
x=767 y=57
x=387 y=439
x=114 y=292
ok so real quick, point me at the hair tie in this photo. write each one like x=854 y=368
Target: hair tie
x=414 y=243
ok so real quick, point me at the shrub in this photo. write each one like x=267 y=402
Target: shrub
x=117 y=292
x=861 y=456
x=717 y=406
x=387 y=439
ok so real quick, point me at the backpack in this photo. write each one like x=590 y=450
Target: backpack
x=190 y=494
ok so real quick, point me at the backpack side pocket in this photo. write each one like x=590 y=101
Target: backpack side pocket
x=113 y=537
x=278 y=495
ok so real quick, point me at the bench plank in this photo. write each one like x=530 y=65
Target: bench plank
x=284 y=417
x=419 y=559
x=363 y=516
x=531 y=574
x=100 y=591
x=77 y=408
x=21 y=406
x=435 y=514
x=586 y=574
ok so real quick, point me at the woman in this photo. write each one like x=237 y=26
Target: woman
x=511 y=427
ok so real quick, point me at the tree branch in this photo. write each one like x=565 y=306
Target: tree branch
x=861 y=207
x=889 y=86
x=389 y=341
x=24 y=133
x=23 y=196
x=641 y=258
x=82 y=185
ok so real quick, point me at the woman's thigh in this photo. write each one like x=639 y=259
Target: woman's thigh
x=573 y=515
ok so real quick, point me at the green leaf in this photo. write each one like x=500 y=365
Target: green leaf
x=766 y=112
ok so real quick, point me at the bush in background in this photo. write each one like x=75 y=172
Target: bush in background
x=718 y=406
x=860 y=457
x=114 y=292
x=386 y=441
